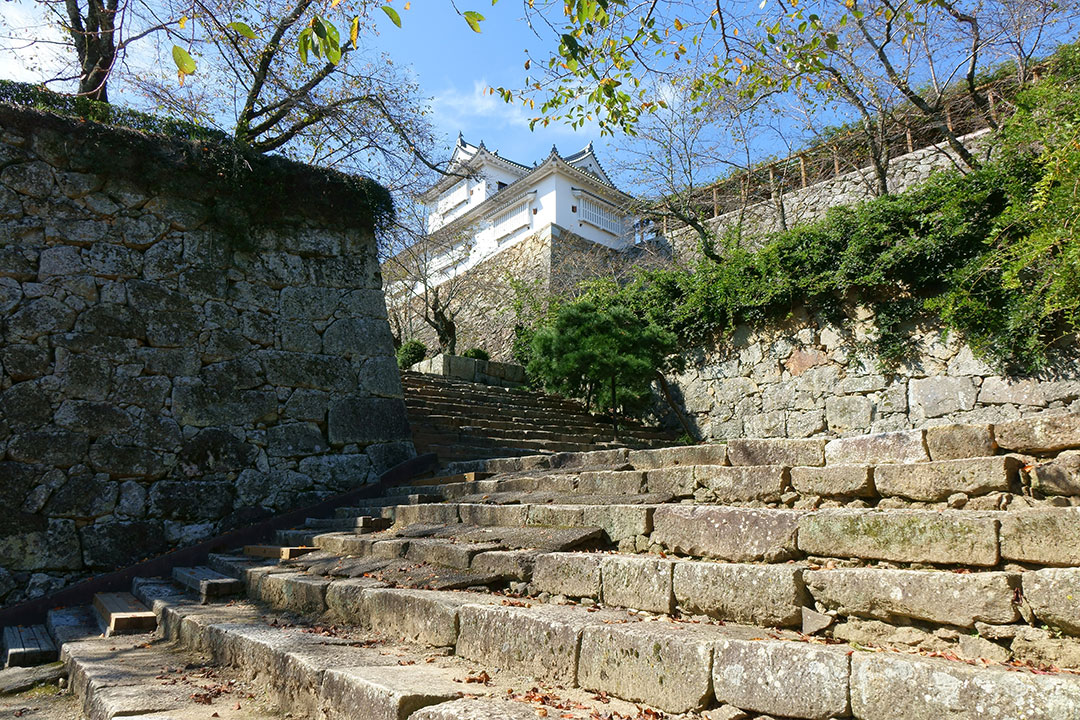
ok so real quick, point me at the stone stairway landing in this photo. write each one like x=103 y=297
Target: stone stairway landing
x=460 y=420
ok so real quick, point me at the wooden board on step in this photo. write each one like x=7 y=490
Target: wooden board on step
x=122 y=613
x=28 y=645
x=278 y=552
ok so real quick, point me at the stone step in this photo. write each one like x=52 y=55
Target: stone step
x=145 y=677
x=72 y=624
x=277 y=552
x=686 y=667
x=121 y=614
x=207 y=583
x=371 y=675
x=294 y=537
x=26 y=645
x=1048 y=537
x=357 y=523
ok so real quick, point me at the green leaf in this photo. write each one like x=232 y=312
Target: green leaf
x=392 y=14
x=831 y=42
x=318 y=26
x=474 y=19
x=185 y=64
x=304 y=44
x=243 y=29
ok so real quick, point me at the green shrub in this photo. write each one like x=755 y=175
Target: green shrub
x=476 y=354
x=410 y=353
x=606 y=356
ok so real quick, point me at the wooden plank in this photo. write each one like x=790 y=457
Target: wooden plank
x=278 y=552
x=27 y=645
x=122 y=613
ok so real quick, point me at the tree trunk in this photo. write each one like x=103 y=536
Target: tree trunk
x=614 y=417
x=94 y=37
x=666 y=390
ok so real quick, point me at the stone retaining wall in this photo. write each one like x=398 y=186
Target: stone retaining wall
x=160 y=385
x=810 y=203
x=811 y=378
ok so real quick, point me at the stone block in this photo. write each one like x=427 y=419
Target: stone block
x=308 y=370
x=902 y=446
x=678 y=481
x=1039 y=434
x=619 y=522
x=384 y=693
x=834 y=481
x=666 y=666
x=936 y=480
x=476 y=709
x=725 y=533
x=296 y=440
x=199 y=405
x=943 y=538
x=782 y=678
x=952 y=442
x=1043 y=536
x=294 y=591
x=941 y=395
x=493 y=515
x=890 y=686
x=765 y=595
x=765 y=483
x=367 y=420
x=627 y=482
x=939 y=597
x=433 y=513
x=1060 y=476
x=571 y=574
x=776 y=451
x=216 y=450
x=507 y=564
x=446 y=552
x=687 y=455
x=1054 y=596
x=541 y=642
x=188 y=500
x=59 y=448
x=851 y=413
x=421 y=616
x=640 y=583
x=111 y=455
x=999 y=391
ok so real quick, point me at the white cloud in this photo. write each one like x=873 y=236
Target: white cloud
x=454 y=107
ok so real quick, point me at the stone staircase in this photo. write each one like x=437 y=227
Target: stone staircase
x=460 y=420
x=915 y=575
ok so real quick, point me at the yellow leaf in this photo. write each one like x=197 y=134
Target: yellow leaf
x=334 y=4
x=408 y=5
x=183 y=21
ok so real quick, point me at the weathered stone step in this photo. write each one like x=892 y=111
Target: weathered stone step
x=294 y=537
x=122 y=614
x=277 y=552
x=364 y=523
x=368 y=675
x=683 y=667
x=146 y=677
x=26 y=645
x=207 y=583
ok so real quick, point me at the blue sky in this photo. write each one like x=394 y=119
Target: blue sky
x=455 y=66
